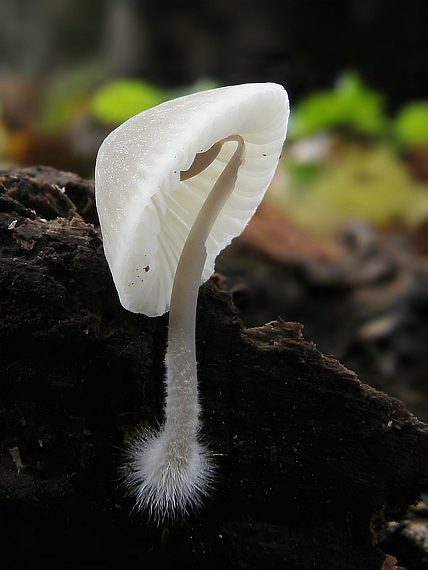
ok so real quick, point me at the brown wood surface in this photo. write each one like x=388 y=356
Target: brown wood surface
x=311 y=462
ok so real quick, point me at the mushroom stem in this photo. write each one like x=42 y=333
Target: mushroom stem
x=181 y=354
x=172 y=471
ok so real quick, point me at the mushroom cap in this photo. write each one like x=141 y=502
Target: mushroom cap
x=146 y=212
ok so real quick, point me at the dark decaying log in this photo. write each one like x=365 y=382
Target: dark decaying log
x=311 y=462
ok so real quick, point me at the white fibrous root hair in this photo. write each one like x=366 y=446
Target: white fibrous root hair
x=167 y=479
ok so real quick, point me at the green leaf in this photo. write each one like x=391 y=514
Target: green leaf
x=411 y=125
x=121 y=99
x=315 y=114
x=351 y=105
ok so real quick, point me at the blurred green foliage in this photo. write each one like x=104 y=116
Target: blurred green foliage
x=121 y=99
x=345 y=160
x=411 y=125
x=351 y=105
x=65 y=98
x=341 y=160
x=356 y=181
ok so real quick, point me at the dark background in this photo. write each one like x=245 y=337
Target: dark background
x=303 y=44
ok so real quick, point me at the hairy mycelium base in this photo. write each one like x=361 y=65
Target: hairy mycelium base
x=165 y=478
x=171 y=471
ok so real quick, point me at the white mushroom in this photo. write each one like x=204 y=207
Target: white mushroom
x=174 y=185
